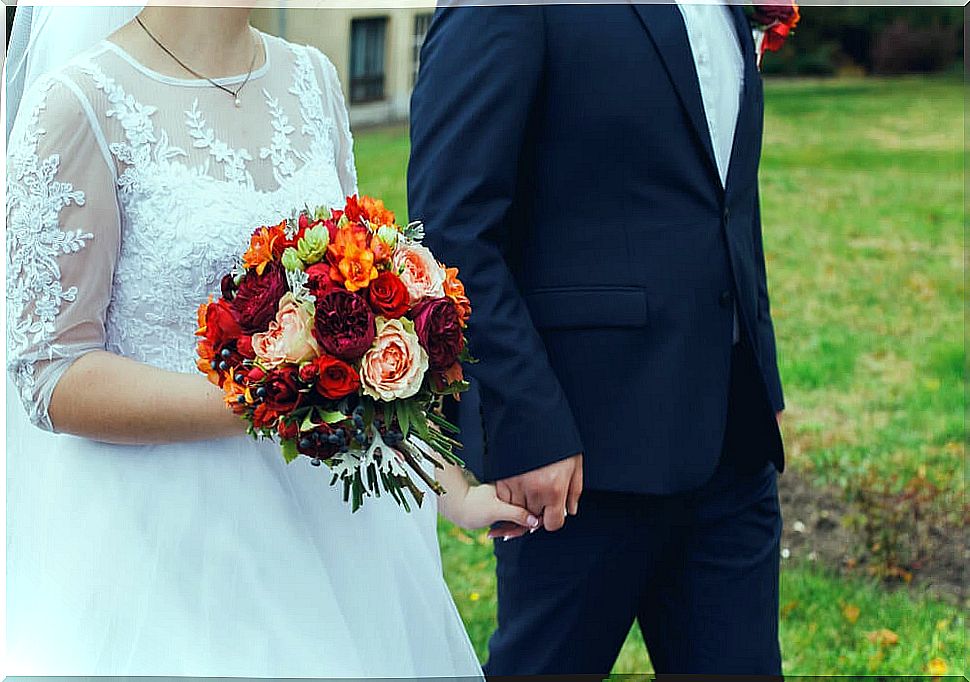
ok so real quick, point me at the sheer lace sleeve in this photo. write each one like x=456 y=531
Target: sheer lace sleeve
x=63 y=237
x=344 y=149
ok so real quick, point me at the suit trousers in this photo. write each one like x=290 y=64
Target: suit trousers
x=698 y=571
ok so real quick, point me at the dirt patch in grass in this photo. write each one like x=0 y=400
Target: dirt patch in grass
x=815 y=530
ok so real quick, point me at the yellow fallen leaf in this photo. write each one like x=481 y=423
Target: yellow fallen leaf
x=788 y=608
x=883 y=637
x=851 y=613
x=936 y=666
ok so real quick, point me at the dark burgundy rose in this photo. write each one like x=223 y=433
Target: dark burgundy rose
x=344 y=324
x=438 y=328
x=258 y=297
x=228 y=286
x=770 y=13
x=315 y=444
x=282 y=390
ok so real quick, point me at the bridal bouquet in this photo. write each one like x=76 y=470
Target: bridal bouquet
x=338 y=333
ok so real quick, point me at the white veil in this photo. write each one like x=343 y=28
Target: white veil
x=44 y=37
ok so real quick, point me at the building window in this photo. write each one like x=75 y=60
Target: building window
x=422 y=22
x=367 y=46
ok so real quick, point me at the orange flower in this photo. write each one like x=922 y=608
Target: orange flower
x=382 y=252
x=352 y=262
x=233 y=391
x=374 y=211
x=348 y=235
x=200 y=317
x=454 y=374
x=455 y=290
x=206 y=355
x=266 y=244
x=356 y=268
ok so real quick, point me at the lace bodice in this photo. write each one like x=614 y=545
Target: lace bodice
x=130 y=193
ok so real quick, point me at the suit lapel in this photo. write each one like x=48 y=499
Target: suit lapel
x=666 y=28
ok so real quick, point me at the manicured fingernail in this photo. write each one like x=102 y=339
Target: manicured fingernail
x=532 y=521
x=533 y=530
x=506 y=538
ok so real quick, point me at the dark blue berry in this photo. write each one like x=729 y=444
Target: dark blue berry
x=226 y=352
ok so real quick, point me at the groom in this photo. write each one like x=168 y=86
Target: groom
x=593 y=172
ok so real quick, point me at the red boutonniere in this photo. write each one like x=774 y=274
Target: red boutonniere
x=771 y=24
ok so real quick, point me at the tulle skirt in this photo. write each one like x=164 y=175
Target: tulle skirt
x=214 y=559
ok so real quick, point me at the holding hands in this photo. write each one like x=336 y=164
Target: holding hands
x=514 y=506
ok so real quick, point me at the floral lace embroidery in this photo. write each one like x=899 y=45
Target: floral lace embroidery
x=233 y=160
x=281 y=150
x=181 y=227
x=35 y=239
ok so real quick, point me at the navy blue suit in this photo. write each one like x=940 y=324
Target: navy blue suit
x=561 y=160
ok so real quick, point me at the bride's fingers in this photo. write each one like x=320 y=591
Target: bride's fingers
x=506 y=530
x=503 y=511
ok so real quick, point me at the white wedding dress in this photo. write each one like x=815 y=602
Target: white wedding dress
x=129 y=193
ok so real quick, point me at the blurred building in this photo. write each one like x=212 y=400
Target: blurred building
x=375 y=51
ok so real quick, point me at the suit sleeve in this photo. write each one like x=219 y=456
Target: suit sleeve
x=481 y=70
x=766 y=330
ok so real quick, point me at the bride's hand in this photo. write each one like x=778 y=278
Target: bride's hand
x=478 y=506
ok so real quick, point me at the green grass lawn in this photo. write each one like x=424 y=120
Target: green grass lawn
x=862 y=192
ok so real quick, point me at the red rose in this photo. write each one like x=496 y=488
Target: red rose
x=264 y=416
x=336 y=379
x=258 y=296
x=318 y=279
x=388 y=295
x=244 y=344
x=282 y=393
x=288 y=430
x=438 y=328
x=309 y=372
x=221 y=324
x=343 y=324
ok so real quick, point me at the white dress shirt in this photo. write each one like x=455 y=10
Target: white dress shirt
x=720 y=74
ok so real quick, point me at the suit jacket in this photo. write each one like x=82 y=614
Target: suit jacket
x=561 y=160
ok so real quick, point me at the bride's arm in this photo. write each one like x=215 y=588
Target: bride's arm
x=63 y=239
x=110 y=398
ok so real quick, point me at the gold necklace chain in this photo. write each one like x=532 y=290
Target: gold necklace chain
x=231 y=93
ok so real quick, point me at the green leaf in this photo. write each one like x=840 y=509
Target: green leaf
x=289 y=450
x=404 y=417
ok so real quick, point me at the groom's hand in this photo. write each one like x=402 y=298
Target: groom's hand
x=548 y=492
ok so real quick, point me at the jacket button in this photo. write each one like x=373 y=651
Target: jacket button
x=725 y=298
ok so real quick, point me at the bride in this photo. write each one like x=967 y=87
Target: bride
x=147 y=534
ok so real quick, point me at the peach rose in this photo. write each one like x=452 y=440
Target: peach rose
x=421 y=273
x=394 y=367
x=289 y=337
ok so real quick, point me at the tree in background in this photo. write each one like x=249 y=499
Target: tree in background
x=878 y=40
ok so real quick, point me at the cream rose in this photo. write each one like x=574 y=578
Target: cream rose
x=289 y=337
x=421 y=273
x=394 y=367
